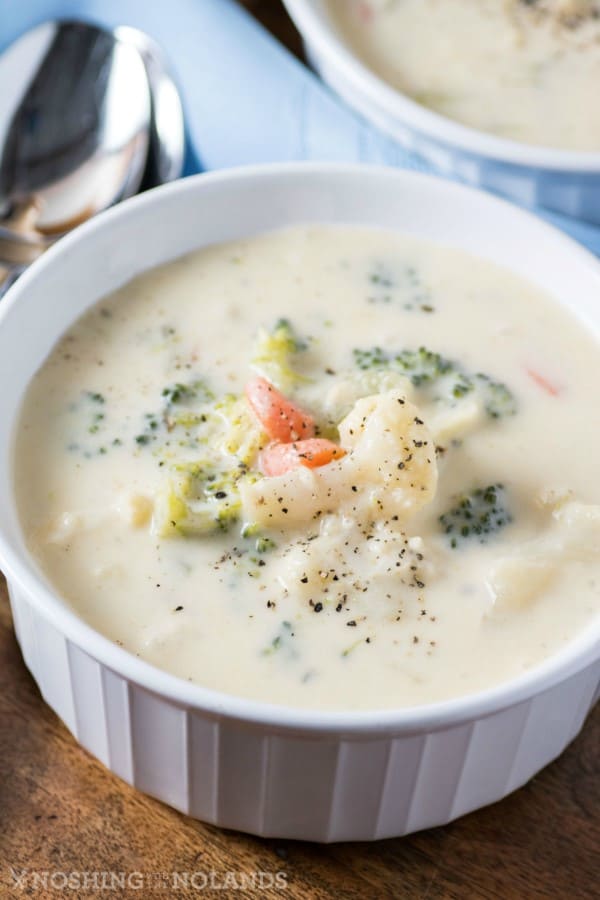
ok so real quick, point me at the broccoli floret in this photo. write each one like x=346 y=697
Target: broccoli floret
x=498 y=400
x=426 y=368
x=199 y=499
x=186 y=394
x=95 y=397
x=274 y=354
x=187 y=405
x=264 y=544
x=376 y=358
x=250 y=529
x=284 y=330
x=182 y=405
x=477 y=515
x=175 y=515
x=461 y=386
x=422 y=366
x=202 y=496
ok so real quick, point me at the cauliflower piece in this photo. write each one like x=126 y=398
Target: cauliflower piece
x=579 y=530
x=389 y=471
x=457 y=421
x=553 y=497
x=514 y=583
x=329 y=567
x=517 y=581
x=343 y=394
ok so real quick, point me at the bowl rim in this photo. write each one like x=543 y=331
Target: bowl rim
x=20 y=568
x=434 y=125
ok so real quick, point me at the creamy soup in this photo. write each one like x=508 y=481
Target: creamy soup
x=522 y=69
x=327 y=467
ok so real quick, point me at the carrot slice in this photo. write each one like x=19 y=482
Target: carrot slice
x=365 y=12
x=277 y=459
x=281 y=419
x=543 y=383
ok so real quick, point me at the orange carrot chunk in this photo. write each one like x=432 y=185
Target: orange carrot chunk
x=543 y=383
x=281 y=419
x=365 y=12
x=277 y=459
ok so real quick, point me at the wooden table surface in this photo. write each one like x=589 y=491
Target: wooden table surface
x=63 y=816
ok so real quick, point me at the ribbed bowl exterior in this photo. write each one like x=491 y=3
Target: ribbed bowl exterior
x=291 y=783
x=572 y=193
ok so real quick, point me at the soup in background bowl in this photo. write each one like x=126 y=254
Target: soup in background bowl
x=494 y=94
x=523 y=71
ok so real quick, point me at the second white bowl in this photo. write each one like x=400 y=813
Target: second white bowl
x=567 y=182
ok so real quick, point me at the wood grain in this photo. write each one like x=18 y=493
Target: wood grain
x=62 y=812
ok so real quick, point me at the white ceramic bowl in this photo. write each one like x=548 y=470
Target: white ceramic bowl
x=235 y=762
x=564 y=181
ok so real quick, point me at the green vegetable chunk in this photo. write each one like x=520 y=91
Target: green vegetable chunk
x=274 y=355
x=241 y=437
x=428 y=370
x=477 y=516
x=422 y=366
x=183 y=405
x=199 y=499
x=497 y=398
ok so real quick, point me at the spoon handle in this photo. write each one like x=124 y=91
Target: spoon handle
x=8 y=276
x=20 y=245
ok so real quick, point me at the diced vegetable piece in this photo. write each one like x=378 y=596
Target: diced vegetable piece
x=543 y=383
x=498 y=400
x=452 y=423
x=429 y=370
x=187 y=393
x=312 y=453
x=477 y=515
x=243 y=436
x=264 y=544
x=517 y=582
x=198 y=500
x=274 y=353
x=334 y=404
x=176 y=516
x=183 y=405
x=135 y=509
x=281 y=419
x=422 y=366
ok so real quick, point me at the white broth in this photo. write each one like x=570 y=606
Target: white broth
x=522 y=69
x=435 y=526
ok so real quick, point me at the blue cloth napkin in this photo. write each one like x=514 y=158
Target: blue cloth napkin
x=246 y=98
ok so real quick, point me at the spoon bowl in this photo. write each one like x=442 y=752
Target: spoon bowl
x=167 y=132
x=75 y=131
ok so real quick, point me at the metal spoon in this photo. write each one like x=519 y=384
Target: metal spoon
x=167 y=132
x=75 y=128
